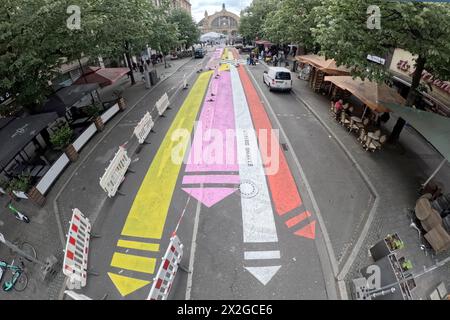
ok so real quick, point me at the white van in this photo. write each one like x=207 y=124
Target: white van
x=278 y=78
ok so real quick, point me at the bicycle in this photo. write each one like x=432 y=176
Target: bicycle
x=19 y=280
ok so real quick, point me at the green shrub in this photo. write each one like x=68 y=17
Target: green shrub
x=93 y=110
x=20 y=183
x=62 y=137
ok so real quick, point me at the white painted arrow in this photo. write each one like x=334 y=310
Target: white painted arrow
x=263 y=274
x=257 y=215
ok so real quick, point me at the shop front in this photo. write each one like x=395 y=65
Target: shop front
x=436 y=98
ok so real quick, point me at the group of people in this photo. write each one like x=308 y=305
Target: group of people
x=140 y=65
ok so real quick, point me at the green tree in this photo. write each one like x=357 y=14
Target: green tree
x=253 y=18
x=34 y=40
x=420 y=28
x=292 y=23
x=188 y=32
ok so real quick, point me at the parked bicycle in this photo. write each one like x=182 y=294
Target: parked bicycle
x=19 y=280
x=19 y=215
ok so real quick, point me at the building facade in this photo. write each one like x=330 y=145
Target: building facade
x=224 y=22
x=436 y=98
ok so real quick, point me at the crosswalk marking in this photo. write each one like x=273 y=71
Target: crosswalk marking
x=138 y=245
x=133 y=262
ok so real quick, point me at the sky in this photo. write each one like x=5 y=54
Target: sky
x=199 y=7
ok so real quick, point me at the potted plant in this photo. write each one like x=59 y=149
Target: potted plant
x=93 y=112
x=120 y=100
x=61 y=140
x=394 y=243
x=405 y=264
x=20 y=183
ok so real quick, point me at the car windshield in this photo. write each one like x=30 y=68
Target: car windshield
x=283 y=76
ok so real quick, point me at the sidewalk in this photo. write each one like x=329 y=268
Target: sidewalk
x=395 y=174
x=43 y=232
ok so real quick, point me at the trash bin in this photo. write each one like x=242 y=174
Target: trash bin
x=153 y=77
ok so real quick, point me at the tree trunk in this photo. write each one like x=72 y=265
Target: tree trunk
x=417 y=75
x=130 y=64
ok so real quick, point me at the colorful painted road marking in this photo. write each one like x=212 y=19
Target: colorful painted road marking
x=217 y=117
x=257 y=215
x=148 y=213
x=282 y=185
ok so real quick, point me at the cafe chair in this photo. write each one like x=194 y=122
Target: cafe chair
x=345 y=119
x=376 y=145
x=362 y=135
x=363 y=124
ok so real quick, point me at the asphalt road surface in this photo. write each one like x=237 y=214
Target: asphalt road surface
x=243 y=171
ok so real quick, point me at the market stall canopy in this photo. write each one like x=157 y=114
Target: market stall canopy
x=373 y=95
x=211 y=36
x=433 y=127
x=19 y=132
x=327 y=66
x=102 y=76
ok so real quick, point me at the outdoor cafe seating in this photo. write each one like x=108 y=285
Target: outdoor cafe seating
x=362 y=108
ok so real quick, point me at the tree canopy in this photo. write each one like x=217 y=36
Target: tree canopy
x=253 y=18
x=188 y=32
x=36 y=40
x=291 y=23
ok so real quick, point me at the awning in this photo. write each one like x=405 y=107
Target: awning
x=373 y=95
x=433 y=127
x=327 y=66
x=68 y=97
x=103 y=76
x=74 y=93
x=263 y=42
x=19 y=132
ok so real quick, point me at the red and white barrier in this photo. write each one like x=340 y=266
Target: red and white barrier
x=115 y=172
x=76 y=296
x=144 y=127
x=77 y=250
x=162 y=104
x=162 y=283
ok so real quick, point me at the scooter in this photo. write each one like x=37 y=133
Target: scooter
x=19 y=216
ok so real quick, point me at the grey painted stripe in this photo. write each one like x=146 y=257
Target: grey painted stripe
x=257 y=255
x=257 y=214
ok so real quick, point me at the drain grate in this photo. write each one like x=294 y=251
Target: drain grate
x=285 y=147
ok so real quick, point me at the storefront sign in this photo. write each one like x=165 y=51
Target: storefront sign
x=376 y=59
x=403 y=62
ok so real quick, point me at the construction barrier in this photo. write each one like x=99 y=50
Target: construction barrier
x=162 y=104
x=144 y=127
x=115 y=172
x=76 y=296
x=77 y=250
x=162 y=283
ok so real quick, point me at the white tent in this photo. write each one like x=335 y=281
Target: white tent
x=211 y=36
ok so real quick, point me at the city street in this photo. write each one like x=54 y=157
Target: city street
x=185 y=150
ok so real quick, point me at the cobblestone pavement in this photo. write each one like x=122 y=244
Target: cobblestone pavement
x=43 y=230
x=395 y=173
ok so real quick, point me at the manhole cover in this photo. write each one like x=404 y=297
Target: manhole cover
x=248 y=189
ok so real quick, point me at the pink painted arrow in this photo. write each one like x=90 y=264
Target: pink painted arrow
x=214 y=145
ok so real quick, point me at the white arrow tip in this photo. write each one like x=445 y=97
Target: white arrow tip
x=263 y=274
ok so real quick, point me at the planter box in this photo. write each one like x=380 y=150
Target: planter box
x=383 y=248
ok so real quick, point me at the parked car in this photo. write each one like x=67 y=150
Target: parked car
x=199 y=53
x=278 y=78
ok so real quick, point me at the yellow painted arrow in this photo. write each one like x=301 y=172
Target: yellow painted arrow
x=126 y=285
x=148 y=213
